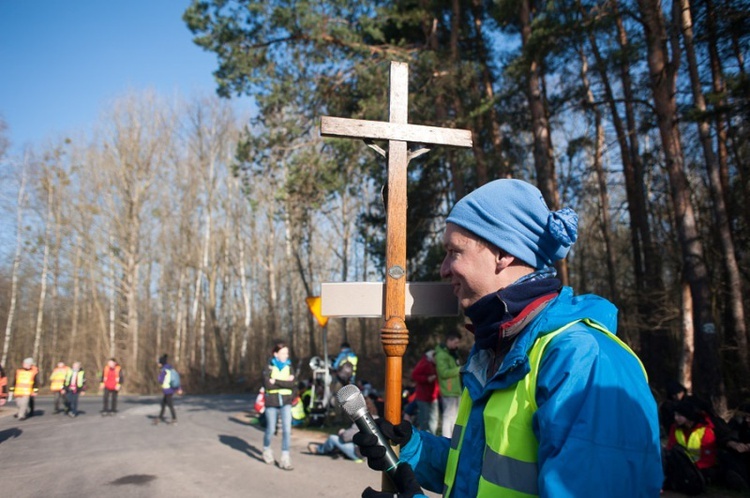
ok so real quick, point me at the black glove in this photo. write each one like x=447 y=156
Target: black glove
x=375 y=453
x=404 y=479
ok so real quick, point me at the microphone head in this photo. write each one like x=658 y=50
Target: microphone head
x=351 y=400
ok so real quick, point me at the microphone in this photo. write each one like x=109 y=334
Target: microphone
x=351 y=400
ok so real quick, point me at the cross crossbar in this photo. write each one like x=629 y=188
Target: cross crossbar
x=380 y=130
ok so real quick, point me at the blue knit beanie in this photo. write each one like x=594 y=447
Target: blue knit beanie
x=512 y=215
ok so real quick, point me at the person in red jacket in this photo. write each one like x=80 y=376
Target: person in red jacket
x=112 y=379
x=693 y=430
x=427 y=392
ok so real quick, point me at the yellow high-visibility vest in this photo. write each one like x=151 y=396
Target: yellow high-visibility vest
x=510 y=465
x=57 y=378
x=24 y=385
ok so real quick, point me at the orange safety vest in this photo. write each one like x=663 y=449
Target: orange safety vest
x=24 y=382
x=105 y=374
x=57 y=379
x=3 y=383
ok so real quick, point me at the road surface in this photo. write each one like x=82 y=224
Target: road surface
x=212 y=451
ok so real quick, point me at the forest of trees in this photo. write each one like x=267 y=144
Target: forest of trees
x=180 y=227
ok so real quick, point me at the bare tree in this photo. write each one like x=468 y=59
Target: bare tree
x=20 y=203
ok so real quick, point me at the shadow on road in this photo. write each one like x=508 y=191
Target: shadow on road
x=252 y=422
x=241 y=445
x=9 y=433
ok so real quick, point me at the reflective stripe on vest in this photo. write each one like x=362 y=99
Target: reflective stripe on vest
x=693 y=444
x=298 y=409
x=57 y=378
x=167 y=378
x=509 y=468
x=282 y=374
x=24 y=385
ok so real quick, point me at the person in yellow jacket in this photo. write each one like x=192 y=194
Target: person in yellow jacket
x=56 y=382
x=24 y=387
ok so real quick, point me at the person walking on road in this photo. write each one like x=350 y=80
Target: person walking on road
x=24 y=387
x=112 y=379
x=169 y=382
x=56 y=383
x=278 y=381
x=74 y=386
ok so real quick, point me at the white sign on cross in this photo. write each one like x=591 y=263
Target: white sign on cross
x=398 y=132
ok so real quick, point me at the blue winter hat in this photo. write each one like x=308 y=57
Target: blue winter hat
x=512 y=215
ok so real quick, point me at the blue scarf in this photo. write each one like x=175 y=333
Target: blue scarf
x=280 y=364
x=493 y=310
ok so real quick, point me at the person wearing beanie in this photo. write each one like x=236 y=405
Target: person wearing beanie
x=553 y=404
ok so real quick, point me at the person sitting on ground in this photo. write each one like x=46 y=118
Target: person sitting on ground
x=345 y=365
x=693 y=431
x=734 y=453
x=342 y=441
x=675 y=393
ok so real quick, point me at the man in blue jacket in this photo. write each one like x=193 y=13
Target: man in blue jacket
x=554 y=404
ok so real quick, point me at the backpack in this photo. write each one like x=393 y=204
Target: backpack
x=680 y=473
x=174 y=379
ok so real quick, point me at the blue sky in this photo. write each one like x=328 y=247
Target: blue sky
x=63 y=61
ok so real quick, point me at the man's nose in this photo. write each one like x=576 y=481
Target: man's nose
x=445 y=271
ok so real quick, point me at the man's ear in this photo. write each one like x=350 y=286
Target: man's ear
x=503 y=260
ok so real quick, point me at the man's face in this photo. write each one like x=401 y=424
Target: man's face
x=470 y=264
x=111 y=364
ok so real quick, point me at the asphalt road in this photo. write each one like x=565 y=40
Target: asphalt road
x=212 y=451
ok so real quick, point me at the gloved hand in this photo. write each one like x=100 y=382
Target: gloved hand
x=375 y=453
x=404 y=480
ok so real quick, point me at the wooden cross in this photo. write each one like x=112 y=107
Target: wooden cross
x=394 y=334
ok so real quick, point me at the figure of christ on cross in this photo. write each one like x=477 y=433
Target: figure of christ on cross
x=399 y=133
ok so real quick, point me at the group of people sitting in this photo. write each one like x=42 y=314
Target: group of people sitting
x=701 y=447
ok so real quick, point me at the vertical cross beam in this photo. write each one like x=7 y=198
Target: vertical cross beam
x=394 y=335
x=398 y=132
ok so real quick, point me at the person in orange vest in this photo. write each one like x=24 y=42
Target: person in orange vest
x=25 y=387
x=112 y=379
x=75 y=385
x=56 y=382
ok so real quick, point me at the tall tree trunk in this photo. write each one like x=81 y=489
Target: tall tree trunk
x=112 y=295
x=503 y=166
x=43 y=285
x=729 y=257
x=604 y=221
x=21 y=199
x=544 y=162
x=246 y=308
x=76 y=296
x=663 y=74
